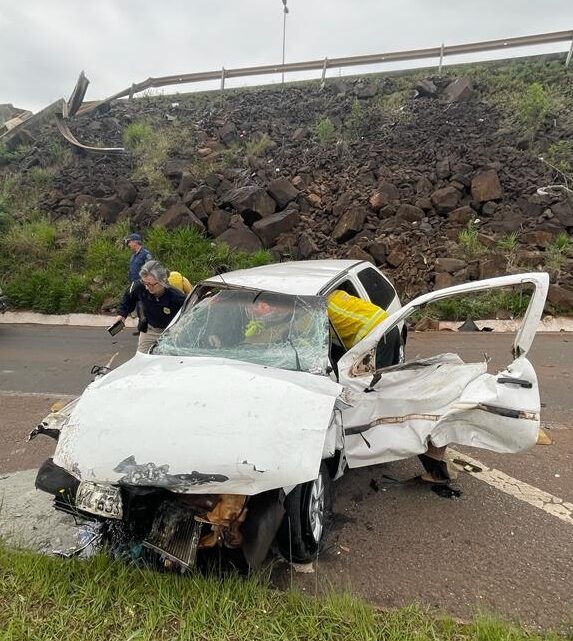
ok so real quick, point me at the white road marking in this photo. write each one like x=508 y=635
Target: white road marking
x=553 y=505
x=63 y=397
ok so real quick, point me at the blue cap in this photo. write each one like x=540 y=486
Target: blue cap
x=133 y=237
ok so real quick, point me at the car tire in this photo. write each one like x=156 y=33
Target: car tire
x=308 y=514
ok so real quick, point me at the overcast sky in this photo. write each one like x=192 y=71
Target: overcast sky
x=44 y=44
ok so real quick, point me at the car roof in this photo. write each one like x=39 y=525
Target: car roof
x=303 y=277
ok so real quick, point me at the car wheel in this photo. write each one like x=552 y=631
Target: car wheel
x=308 y=512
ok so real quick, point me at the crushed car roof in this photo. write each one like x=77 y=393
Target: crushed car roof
x=303 y=277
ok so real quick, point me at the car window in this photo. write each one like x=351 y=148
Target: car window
x=348 y=287
x=379 y=290
x=277 y=330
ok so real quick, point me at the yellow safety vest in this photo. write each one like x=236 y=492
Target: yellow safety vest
x=177 y=280
x=352 y=317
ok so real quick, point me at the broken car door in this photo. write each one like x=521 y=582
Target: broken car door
x=392 y=413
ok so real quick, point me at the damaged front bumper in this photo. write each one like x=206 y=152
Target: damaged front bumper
x=174 y=526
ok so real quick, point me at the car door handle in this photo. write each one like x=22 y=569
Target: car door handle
x=515 y=381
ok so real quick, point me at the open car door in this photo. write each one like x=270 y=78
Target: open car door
x=393 y=412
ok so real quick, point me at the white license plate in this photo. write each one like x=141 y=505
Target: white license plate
x=100 y=499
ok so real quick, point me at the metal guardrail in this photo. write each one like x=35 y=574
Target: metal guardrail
x=74 y=105
x=440 y=52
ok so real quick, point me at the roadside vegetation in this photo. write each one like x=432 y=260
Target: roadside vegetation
x=80 y=265
x=46 y=598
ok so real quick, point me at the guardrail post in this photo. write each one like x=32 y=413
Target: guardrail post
x=569 y=54
x=441 y=59
x=323 y=79
x=222 y=80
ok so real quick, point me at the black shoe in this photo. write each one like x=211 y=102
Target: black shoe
x=135 y=333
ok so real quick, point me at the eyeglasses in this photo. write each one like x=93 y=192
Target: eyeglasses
x=149 y=285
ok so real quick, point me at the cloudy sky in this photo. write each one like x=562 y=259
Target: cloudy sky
x=44 y=44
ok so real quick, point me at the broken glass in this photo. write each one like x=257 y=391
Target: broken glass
x=276 y=330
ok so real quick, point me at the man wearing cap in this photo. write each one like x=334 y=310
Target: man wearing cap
x=139 y=256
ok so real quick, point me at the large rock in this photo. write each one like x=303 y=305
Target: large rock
x=445 y=199
x=357 y=253
x=459 y=90
x=486 y=186
x=282 y=191
x=536 y=237
x=126 y=191
x=253 y=203
x=349 y=224
x=269 y=228
x=561 y=298
x=450 y=265
x=218 y=222
x=241 y=238
x=426 y=88
x=462 y=215
x=108 y=209
x=564 y=213
x=178 y=215
x=378 y=252
x=306 y=247
x=410 y=213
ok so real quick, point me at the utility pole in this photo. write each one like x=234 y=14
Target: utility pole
x=285 y=11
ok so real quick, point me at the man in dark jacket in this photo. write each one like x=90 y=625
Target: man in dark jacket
x=159 y=301
x=139 y=256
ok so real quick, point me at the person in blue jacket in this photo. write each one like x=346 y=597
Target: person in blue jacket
x=159 y=301
x=139 y=256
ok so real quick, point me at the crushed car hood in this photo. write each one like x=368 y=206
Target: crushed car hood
x=199 y=425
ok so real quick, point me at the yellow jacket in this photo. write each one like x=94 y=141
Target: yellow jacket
x=352 y=317
x=177 y=280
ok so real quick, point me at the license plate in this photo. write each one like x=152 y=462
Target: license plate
x=100 y=499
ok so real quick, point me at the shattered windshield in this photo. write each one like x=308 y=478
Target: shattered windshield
x=287 y=332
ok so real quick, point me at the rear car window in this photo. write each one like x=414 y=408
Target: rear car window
x=379 y=290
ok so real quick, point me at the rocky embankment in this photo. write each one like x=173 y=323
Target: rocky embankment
x=355 y=169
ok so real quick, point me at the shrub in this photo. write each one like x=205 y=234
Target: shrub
x=560 y=156
x=325 y=131
x=259 y=146
x=356 y=123
x=137 y=134
x=507 y=244
x=469 y=243
x=532 y=108
x=557 y=253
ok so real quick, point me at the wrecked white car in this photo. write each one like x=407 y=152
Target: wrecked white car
x=226 y=435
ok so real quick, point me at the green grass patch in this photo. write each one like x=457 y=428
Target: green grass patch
x=483 y=305
x=46 y=598
x=77 y=265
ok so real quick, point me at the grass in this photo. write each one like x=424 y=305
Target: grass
x=557 y=253
x=484 y=305
x=77 y=265
x=469 y=243
x=325 y=131
x=45 y=598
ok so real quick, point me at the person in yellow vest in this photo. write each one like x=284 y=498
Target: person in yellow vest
x=177 y=280
x=353 y=318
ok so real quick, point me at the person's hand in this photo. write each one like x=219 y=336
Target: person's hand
x=214 y=341
x=119 y=318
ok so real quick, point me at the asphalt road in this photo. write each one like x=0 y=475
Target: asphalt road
x=392 y=542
